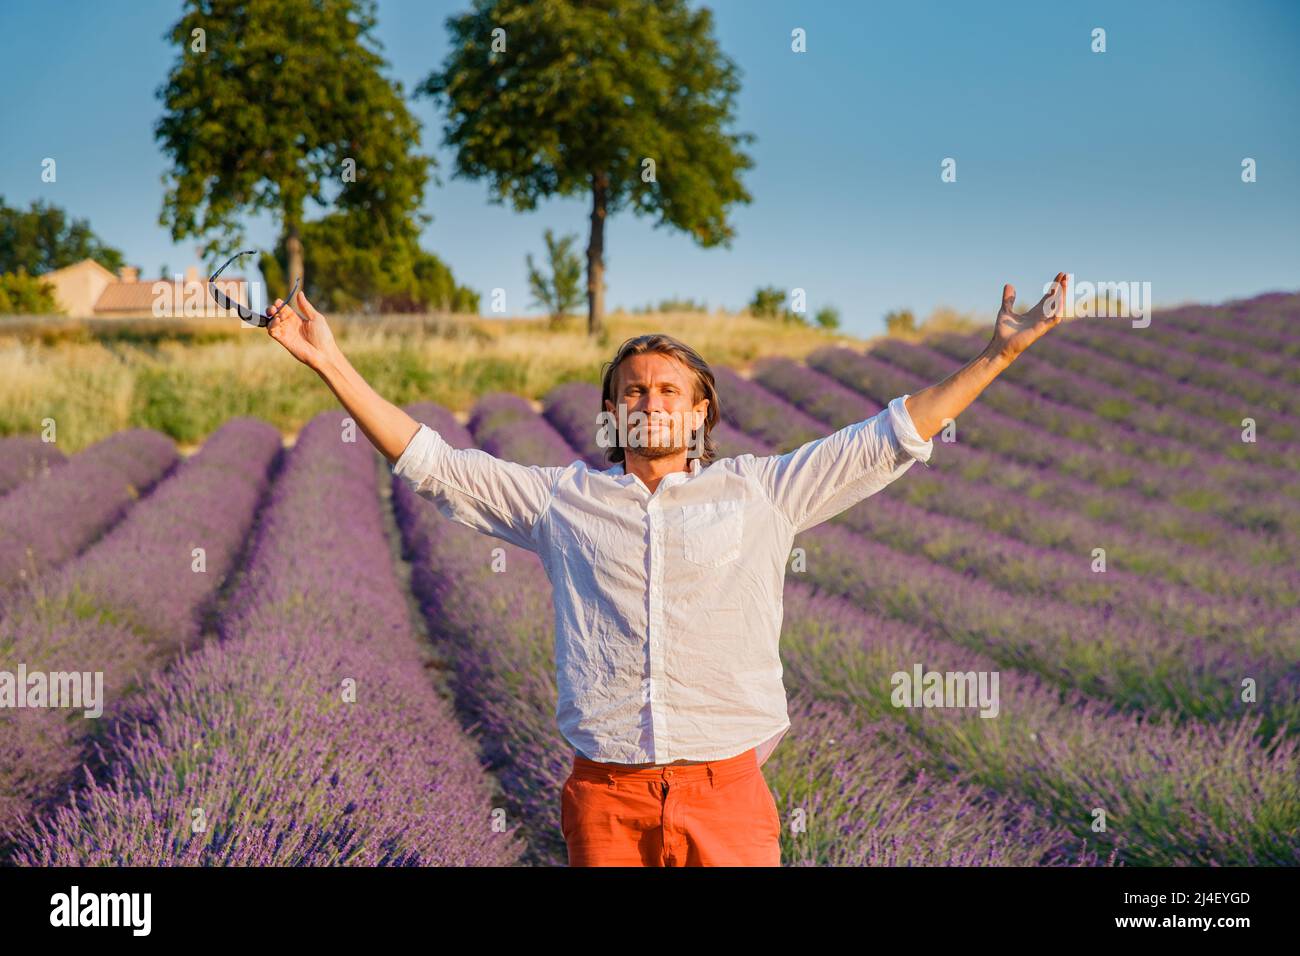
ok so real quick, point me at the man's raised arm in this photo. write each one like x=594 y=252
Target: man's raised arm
x=932 y=406
x=306 y=335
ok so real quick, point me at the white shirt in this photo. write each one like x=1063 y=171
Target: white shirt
x=668 y=606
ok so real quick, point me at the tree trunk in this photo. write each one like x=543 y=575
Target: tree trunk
x=290 y=222
x=293 y=247
x=596 y=256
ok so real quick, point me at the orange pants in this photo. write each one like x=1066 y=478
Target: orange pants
x=719 y=813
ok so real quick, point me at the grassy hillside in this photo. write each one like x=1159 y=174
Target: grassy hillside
x=185 y=378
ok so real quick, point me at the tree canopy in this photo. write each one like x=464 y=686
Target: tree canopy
x=397 y=276
x=625 y=100
x=43 y=238
x=273 y=104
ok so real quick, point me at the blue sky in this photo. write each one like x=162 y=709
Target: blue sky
x=1118 y=166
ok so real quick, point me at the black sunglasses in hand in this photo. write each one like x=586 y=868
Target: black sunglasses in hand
x=260 y=319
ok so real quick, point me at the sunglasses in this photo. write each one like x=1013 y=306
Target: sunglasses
x=258 y=319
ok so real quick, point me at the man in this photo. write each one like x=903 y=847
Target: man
x=667 y=576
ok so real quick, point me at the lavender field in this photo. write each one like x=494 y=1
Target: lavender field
x=304 y=663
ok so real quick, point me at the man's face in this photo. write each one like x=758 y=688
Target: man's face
x=662 y=389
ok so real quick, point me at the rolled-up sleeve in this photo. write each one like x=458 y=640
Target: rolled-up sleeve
x=500 y=498
x=824 y=477
x=906 y=433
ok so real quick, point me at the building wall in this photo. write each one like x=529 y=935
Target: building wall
x=78 y=287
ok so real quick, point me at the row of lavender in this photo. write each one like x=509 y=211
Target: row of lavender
x=1076 y=406
x=487 y=602
x=967 y=484
x=1152 y=353
x=1236 y=348
x=968 y=545
x=129 y=603
x=24 y=457
x=1053 y=752
x=1035 y=749
x=1066 y=370
x=48 y=519
x=1032 y=470
x=1037 y=436
x=1144 y=644
x=308 y=731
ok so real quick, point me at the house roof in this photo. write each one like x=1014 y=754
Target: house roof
x=139 y=296
x=81 y=266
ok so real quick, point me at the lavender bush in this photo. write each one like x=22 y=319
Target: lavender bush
x=1077 y=406
x=867 y=795
x=1161 y=390
x=572 y=410
x=43 y=523
x=1176 y=792
x=1115 y=504
x=499 y=630
x=128 y=603
x=1130 y=345
x=497 y=408
x=1027 y=438
x=1025 y=517
x=26 y=457
x=309 y=734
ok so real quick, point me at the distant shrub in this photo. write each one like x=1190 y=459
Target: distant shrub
x=900 y=322
x=673 y=305
x=944 y=319
x=766 y=303
x=21 y=294
x=828 y=317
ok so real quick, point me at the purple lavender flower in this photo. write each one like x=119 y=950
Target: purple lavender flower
x=24 y=458
x=44 y=523
x=310 y=733
x=128 y=603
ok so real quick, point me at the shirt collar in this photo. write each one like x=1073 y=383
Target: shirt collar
x=618 y=472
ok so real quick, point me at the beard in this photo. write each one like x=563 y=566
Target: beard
x=655 y=443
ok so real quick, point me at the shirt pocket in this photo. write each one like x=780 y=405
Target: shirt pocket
x=712 y=532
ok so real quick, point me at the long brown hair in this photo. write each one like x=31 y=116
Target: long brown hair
x=705 y=387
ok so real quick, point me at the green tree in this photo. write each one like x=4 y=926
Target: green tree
x=396 y=276
x=766 y=303
x=828 y=317
x=901 y=322
x=561 y=291
x=21 y=294
x=283 y=103
x=43 y=238
x=623 y=100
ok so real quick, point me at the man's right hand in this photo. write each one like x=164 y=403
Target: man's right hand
x=302 y=331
